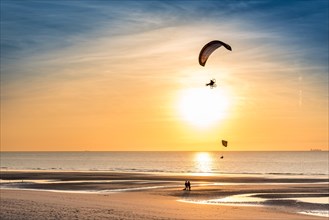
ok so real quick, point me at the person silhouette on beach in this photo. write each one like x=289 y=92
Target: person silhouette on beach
x=186 y=185
x=189 y=185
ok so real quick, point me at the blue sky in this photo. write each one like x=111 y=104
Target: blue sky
x=299 y=29
x=69 y=54
x=30 y=26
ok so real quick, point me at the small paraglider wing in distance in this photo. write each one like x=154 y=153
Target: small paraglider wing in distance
x=210 y=47
x=224 y=143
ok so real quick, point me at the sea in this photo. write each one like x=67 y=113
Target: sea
x=292 y=163
x=277 y=164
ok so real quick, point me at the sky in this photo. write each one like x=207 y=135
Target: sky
x=124 y=75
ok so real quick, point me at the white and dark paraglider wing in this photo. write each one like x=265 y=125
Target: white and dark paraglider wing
x=209 y=48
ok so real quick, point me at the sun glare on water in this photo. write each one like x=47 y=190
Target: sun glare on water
x=203 y=162
x=203 y=106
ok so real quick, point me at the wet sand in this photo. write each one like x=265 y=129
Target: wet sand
x=106 y=195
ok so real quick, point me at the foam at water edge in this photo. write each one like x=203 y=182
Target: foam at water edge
x=322 y=213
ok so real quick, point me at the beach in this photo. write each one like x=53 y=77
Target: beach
x=115 y=195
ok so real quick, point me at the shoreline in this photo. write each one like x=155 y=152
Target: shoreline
x=280 y=196
x=88 y=173
x=324 y=175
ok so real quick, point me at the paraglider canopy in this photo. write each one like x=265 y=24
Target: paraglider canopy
x=210 y=47
x=224 y=143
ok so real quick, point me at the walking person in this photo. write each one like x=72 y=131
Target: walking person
x=189 y=185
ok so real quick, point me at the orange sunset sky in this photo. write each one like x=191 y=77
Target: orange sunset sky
x=112 y=76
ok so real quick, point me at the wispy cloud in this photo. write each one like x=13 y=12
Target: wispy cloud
x=106 y=57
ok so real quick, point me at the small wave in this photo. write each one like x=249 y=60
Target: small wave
x=297 y=174
x=146 y=170
x=321 y=213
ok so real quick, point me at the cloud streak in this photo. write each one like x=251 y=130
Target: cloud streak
x=97 y=59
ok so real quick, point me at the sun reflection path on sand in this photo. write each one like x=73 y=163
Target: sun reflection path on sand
x=253 y=200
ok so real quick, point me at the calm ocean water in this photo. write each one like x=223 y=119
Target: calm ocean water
x=273 y=163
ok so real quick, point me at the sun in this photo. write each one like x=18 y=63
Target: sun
x=203 y=106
